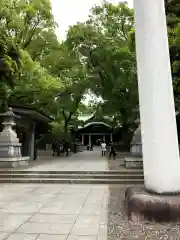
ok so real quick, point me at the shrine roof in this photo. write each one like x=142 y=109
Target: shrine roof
x=31 y=113
x=97 y=123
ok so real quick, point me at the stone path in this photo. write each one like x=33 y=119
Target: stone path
x=85 y=161
x=51 y=212
x=72 y=212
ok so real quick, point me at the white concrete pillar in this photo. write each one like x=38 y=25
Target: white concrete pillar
x=89 y=139
x=82 y=139
x=158 y=122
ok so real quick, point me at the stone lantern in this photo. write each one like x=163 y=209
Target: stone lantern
x=10 y=147
x=136 y=143
x=135 y=160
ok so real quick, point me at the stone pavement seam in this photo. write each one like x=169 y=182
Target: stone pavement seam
x=101 y=214
x=6 y=238
x=8 y=235
x=78 y=214
x=8 y=202
x=19 y=226
x=38 y=235
x=56 y=194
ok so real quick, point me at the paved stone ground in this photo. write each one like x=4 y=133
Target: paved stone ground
x=85 y=161
x=72 y=212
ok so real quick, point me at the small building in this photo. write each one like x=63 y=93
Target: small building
x=30 y=124
x=94 y=131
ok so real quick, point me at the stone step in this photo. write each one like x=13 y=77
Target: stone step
x=82 y=172
x=72 y=176
x=71 y=181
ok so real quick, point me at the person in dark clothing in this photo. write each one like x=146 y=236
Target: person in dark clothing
x=54 y=148
x=88 y=147
x=35 y=149
x=112 y=151
x=66 y=148
x=75 y=146
x=92 y=145
x=58 y=145
x=61 y=147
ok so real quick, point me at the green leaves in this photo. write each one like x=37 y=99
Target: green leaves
x=104 y=43
x=36 y=89
x=173 y=21
x=9 y=61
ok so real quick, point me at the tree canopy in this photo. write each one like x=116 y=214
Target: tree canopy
x=173 y=22
x=103 y=43
x=98 y=57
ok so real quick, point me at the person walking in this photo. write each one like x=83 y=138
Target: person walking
x=103 y=148
x=54 y=148
x=75 y=145
x=35 y=149
x=112 y=151
x=91 y=146
x=58 y=146
x=66 y=148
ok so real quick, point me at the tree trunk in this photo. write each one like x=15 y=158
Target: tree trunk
x=3 y=99
x=126 y=135
x=66 y=129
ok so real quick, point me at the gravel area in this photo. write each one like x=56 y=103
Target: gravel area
x=72 y=212
x=120 y=228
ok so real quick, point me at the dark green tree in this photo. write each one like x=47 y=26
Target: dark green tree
x=173 y=22
x=104 y=45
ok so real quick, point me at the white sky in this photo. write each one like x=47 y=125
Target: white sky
x=69 y=12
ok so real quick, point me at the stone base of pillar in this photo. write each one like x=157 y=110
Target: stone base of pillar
x=14 y=162
x=133 y=162
x=144 y=206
